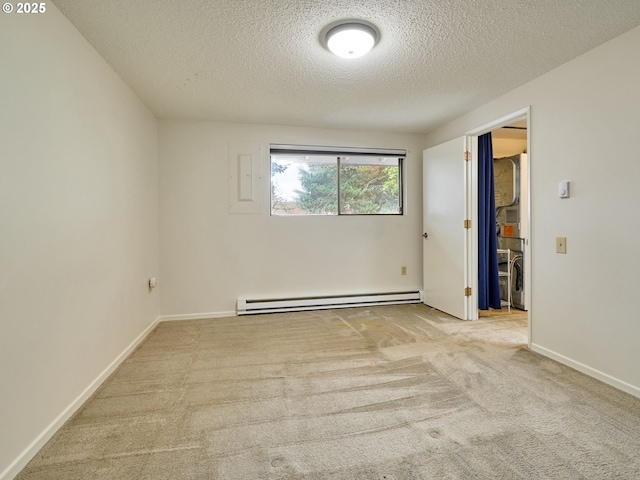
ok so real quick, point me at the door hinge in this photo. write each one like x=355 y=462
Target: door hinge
x=467 y=292
x=467 y=156
x=467 y=224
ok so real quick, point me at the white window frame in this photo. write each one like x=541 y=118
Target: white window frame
x=338 y=152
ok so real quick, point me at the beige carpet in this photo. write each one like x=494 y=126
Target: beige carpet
x=383 y=393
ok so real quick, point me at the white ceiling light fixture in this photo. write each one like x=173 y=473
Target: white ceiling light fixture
x=351 y=39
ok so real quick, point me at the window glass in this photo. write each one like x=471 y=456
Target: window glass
x=369 y=185
x=304 y=185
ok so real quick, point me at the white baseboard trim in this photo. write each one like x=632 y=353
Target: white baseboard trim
x=592 y=372
x=197 y=316
x=28 y=453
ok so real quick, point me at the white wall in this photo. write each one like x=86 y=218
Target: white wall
x=585 y=119
x=211 y=257
x=78 y=225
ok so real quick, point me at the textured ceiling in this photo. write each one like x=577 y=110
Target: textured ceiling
x=262 y=61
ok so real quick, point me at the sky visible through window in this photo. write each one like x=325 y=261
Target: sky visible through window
x=289 y=181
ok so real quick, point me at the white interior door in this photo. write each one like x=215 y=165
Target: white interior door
x=447 y=203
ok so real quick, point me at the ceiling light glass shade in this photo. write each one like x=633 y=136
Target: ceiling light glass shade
x=351 y=40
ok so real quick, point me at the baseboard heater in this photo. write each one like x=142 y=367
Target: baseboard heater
x=253 y=306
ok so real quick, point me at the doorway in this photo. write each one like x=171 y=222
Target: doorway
x=511 y=147
x=510 y=160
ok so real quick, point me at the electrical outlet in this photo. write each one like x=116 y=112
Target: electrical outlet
x=403 y=270
x=561 y=244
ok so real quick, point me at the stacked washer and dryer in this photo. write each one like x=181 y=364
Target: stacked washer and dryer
x=511 y=224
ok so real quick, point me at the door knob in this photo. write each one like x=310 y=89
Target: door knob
x=425 y=235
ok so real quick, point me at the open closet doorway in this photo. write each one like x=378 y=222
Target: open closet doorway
x=510 y=159
x=511 y=186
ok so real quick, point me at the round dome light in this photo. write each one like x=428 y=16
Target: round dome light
x=351 y=40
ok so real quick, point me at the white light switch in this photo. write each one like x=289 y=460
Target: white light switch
x=563 y=189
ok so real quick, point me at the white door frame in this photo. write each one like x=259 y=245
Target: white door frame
x=473 y=254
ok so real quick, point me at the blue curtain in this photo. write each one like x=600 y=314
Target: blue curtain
x=488 y=283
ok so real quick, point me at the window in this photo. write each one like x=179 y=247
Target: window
x=312 y=181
